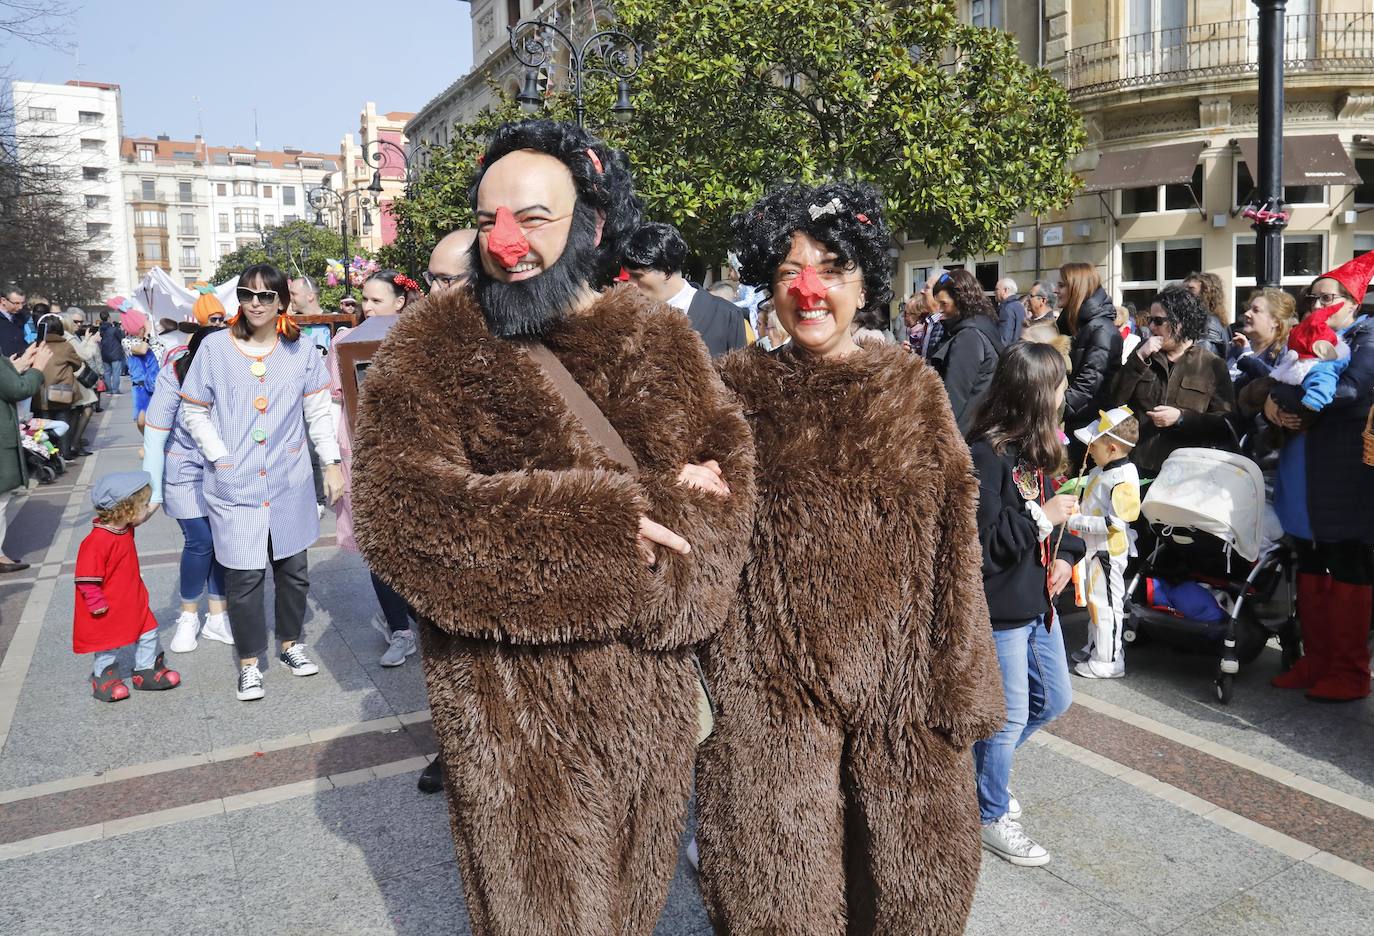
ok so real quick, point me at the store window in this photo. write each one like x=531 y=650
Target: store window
x=1149 y=266
x=1156 y=198
x=1292 y=194
x=1304 y=259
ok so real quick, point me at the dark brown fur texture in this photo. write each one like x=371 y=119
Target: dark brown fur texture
x=856 y=667
x=559 y=667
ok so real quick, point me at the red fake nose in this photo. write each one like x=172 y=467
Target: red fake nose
x=506 y=242
x=808 y=288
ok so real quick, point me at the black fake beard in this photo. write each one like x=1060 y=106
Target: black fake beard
x=530 y=308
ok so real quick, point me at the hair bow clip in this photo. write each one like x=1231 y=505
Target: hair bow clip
x=829 y=208
x=596 y=161
x=862 y=218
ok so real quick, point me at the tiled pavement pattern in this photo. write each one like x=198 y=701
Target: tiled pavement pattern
x=1165 y=812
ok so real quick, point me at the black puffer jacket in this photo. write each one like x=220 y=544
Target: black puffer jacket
x=965 y=361
x=1093 y=360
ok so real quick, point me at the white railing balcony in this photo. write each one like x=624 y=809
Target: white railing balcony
x=1313 y=43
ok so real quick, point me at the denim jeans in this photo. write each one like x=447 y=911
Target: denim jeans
x=200 y=570
x=114 y=371
x=145 y=653
x=1035 y=681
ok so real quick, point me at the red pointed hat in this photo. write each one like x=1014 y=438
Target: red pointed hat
x=1355 y=275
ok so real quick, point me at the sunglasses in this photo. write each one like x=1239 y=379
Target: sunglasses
x=267 y=297
x=1159 y=321
x=444 y=280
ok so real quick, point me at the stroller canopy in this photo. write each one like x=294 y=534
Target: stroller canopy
x=1211 y=491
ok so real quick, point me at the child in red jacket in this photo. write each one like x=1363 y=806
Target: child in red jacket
x=112 y=602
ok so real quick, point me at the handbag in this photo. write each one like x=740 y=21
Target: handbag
x=59 y=394
x=88 y=376
x=585 y=410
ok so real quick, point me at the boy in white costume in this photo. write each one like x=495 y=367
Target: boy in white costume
x=1109 y=505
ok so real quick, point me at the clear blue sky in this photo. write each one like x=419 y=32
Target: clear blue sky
x=308 y=67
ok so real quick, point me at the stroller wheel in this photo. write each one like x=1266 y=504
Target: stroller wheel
x=46 y=475
x=1223 y=685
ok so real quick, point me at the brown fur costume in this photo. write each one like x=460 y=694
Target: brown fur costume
x=560 y=677
x=856 y=667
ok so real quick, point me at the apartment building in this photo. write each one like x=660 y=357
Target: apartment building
x=189 y=204
x=73 y=130
x=1169 y=94
x=377 y=152
x=493 y=59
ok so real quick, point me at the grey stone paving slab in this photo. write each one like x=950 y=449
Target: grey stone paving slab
x=1301 y=901
x=1146 y=858
x=1033 y=902
x=1041 y=776
x=183 y=875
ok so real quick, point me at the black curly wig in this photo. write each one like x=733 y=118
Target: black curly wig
x=1185 y=312
x=656 y=246
x=608 y=190
x=855 y=231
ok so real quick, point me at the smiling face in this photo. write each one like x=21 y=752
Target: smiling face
x=524 y=211
x=815 y=297
x=261 y=315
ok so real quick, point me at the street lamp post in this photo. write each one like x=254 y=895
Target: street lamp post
x=620 y=56
x=1270 y=218
x=372 y=156
x=362 y=198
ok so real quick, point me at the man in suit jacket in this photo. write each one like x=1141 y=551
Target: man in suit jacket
x=654 y=259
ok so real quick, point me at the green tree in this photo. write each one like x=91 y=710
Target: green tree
x=298 y=248
x=735 y=96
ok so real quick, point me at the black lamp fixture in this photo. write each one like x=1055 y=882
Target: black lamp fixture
x=376 y=185
x=529 y=99
x=624 y=109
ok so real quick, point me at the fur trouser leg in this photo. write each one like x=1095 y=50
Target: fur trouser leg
x=568 y=772
x=770 y=823
x=913 y=844
x=807 y=830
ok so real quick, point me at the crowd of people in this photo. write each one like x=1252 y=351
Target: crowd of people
x=555 y=490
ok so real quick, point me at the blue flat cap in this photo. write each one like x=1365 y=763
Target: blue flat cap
x=113 y=488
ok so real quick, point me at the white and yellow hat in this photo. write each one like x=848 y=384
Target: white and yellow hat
x=1107 y=421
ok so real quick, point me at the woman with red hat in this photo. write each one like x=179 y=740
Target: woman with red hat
x=1322 y=499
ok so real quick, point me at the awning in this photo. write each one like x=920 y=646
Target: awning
x=1139 y=168
x=1315 y=159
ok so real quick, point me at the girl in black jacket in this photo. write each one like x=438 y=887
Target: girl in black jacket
x=1095 y=357
x=1027 y=561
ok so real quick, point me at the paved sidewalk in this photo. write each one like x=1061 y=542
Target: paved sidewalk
x=1165 y=812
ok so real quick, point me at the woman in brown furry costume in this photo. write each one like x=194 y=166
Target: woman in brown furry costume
x=856 y=667
x=556 y=640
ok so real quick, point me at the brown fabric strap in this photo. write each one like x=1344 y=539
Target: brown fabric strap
x=582 y=406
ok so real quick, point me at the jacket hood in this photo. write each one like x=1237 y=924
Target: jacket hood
x=1096 y=306
x=984 y=324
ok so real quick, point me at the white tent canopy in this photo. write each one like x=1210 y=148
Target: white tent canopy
x=161 y=297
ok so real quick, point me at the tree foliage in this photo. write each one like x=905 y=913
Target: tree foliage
x=298 y=248
x=736 y=96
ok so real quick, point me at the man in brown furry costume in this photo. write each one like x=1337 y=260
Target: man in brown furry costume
x=856 y=667
x=561 y=594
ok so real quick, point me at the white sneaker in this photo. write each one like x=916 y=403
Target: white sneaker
x=297 y=661
x=1082 y=655
x=250 y=684
x=1013 y=808
x=399 y=646
x=184 y=640
x=692 y=854
x=217 y=628
x=319 y=511
x=1006 y=839
x=1096 y=669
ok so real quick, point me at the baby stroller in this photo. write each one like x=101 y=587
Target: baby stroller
x=41 y=458
x=1206 y=511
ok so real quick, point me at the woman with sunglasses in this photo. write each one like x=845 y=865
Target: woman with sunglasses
x=1323 y=500
x=244 y=397
x=1180 y=391
x=386 y=292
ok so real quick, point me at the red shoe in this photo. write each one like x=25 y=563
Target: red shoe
x=157 y=678
x=108 y=687
x=1347 y=673
x=1314 y=613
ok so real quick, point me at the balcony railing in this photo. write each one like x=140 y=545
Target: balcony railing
x=1313 y=42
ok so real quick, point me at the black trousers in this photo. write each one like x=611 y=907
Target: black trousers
x=399 y=615
x=247 y=610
